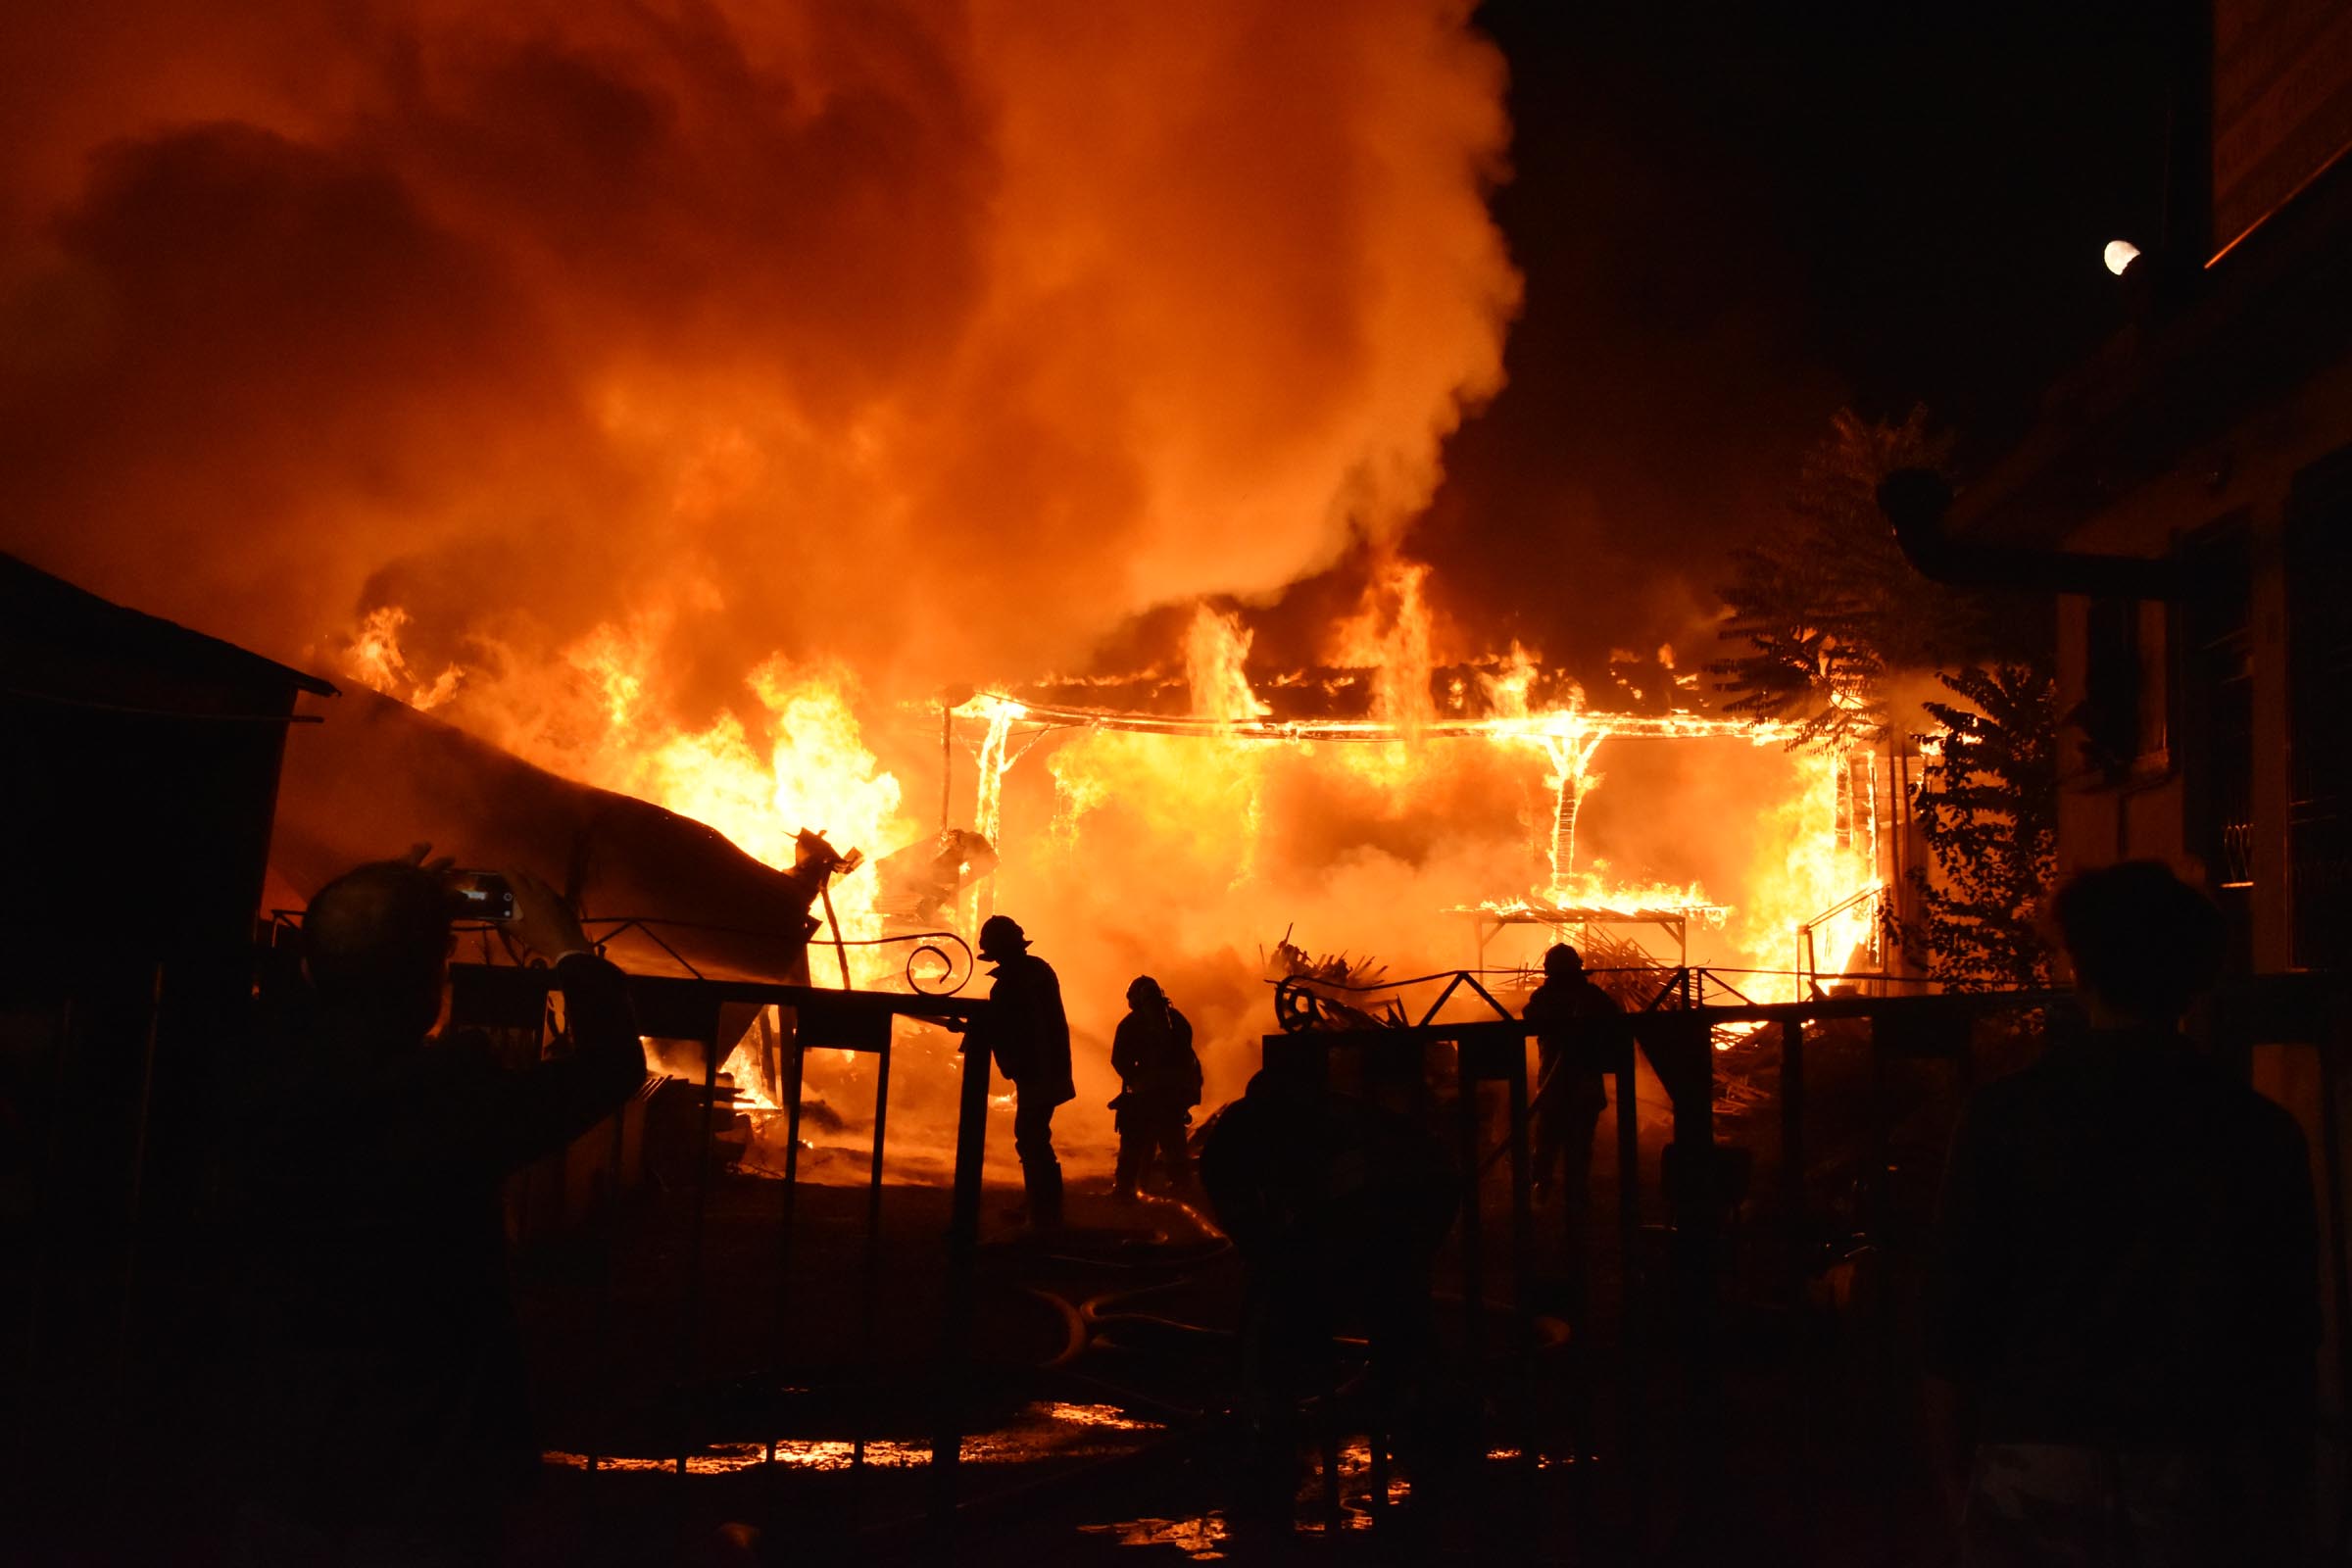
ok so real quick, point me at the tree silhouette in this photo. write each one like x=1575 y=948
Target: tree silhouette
x=1829 y=609
x=1990 y=815
x=1828 y=606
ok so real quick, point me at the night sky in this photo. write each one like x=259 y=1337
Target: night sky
x=1733 y=220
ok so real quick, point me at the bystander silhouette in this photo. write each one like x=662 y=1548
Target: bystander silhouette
x=2122 y=1310
x=1338 y=1207
x=380 y=1411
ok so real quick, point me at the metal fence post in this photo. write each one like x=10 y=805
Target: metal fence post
x=790 y=1065
x=1793 y=1155
x=1474 y=1276
x=608 y=1259
x=963 y=1246
x=691 y=1390
x=1523 y=1254
x=869 y=1273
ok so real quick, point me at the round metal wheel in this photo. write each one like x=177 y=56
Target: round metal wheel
x=1295 y=1009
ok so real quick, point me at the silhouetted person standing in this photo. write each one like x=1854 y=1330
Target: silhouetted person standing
x=383 y=1406
x=2124 y=1306
x=1338 y=1207
x=1569 y=1096
x=1160 y=1077
x=1029 y=1036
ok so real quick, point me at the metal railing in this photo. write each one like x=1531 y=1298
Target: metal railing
x=498 y=997
x=1678 y=1043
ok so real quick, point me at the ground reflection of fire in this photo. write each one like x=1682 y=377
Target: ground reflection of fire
x=1045 y=1429
x=1209 y=1536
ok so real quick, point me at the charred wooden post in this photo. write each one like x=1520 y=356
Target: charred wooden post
x=946 y=765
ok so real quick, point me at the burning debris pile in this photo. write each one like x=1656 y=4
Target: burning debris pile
x=1328 y=992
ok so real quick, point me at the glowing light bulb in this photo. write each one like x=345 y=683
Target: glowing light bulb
x=2121 y=253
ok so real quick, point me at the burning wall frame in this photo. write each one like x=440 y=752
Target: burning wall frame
x=1567 y=738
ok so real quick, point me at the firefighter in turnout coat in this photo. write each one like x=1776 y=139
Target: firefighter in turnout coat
x=1569 y=1096
x=1029 y=1037
x=1160 y=1084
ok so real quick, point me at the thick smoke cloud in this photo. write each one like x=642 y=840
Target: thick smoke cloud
x=938 y=338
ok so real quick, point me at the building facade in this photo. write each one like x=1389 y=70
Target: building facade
x=2187 y=492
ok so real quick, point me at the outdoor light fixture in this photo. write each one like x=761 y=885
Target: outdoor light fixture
x=2120 y=254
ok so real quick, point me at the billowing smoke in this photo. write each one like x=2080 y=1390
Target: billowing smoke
x=938 y=338
x=669 y=389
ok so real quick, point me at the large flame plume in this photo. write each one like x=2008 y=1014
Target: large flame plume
x=936 y=337
x=682 y=395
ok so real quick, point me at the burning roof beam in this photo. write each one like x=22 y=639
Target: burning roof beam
x=1582 y=722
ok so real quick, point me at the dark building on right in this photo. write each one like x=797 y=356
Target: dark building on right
x=2188 y=488
x=2186 y=491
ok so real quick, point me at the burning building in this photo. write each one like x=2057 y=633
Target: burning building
x=703 y=437
x=678 y=403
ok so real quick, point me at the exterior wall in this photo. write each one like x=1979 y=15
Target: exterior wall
x=2247 y=477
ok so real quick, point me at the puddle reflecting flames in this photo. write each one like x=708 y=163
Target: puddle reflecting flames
x=1053 y=1430
x=1200 y=1538
x=1204 y=1537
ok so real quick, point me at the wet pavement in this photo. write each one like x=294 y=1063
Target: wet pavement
x=1100 y=1409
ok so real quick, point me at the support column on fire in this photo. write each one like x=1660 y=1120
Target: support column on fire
x=995 y=760
x=1566 y=803
x=988 y=803
x=1570 y=751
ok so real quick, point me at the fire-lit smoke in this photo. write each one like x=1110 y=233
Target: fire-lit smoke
x=934 y=337
x=683 y=395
